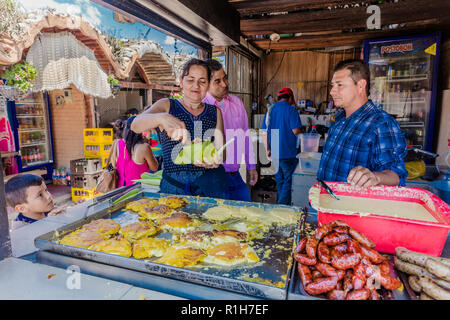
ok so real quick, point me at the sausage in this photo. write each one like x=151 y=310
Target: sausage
x=346 y=261
x=340 y=229
x=342 y=248
x=347 y=281
x=304 y=259
x=417 y=258
x=326 y=269
x=335 y=238
x=411 y=269
x=316 y=274
x=433 y=290
x=305 y=274
x=438 y=269
x=311 y=247
x=374 y=295
x=339 y=285
x=322 y=231
x=358 y=236
x=358 y=282
x=339 y=223
x=414 y=283
x=444 y=284
x=353 y=246
x=340 y=274
x=321 y=285
x=361 y=294
x=336 y=294
x=374 y=256
x=301 y=246
x=384 y=267
x=323 y=253
x=424 y=296
x=388 y=282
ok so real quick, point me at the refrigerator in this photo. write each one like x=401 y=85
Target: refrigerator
x=403 y=80
x=30 y=120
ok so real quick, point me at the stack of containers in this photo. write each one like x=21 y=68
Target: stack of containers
x=86 y=172
x=84 y=177
x=97 y=143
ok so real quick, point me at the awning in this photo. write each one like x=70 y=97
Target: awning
x=61 y=60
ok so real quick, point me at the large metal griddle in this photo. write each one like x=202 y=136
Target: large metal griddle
x=276 y=267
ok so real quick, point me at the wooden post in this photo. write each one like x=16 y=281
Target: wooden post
x=5 y=242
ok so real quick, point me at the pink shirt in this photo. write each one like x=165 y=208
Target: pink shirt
x=235 y=118
x=127 y=169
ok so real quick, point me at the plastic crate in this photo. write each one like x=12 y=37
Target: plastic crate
x=97 y=150
x=82 y=193
x=85 y=181
x=86 y=166
x=98 y=135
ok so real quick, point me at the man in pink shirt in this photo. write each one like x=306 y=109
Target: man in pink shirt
x=235 y=123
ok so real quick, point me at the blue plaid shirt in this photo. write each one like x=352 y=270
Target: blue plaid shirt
x=370 y=138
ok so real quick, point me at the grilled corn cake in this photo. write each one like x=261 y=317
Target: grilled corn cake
x=173 y=202
x=149 y=247
x=118 y=246
x=181 y=257
x=137 y=230
x=231 y=254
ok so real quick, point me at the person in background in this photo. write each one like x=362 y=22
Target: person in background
x=365 y=146
x=284 y=118
x=234 y=118
x=27 y=194
x=131 y=112
x=134 y=156
x=187 y=119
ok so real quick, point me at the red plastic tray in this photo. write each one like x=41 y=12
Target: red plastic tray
x=391 y=232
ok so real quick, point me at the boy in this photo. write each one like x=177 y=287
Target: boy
x=27 y=194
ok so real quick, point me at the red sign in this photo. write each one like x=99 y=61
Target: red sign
x=397 y=48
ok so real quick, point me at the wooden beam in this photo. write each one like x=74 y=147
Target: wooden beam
x=140 y=85
x=353 y=39
x=344 y=19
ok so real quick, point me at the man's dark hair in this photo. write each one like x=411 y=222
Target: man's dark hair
x=284 y=96
x=214 y=65
x=195 y=62
x=131 y=138
x=16 y=188
x=359 y=69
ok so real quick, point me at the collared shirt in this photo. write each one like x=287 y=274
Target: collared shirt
x=284 y=118
x=235 y=122
x=370 y=138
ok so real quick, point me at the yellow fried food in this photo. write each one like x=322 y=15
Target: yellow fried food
x=181 y=257
x=178 y=222
x=230 y=254
x=156 y=213
x=282 y=216
x=194 y=239
x=105 y=227
x=174 y=202
x=221 y=236
x=118 y=246
x=137 y=230
x=82 y=238
x=141 y=204
x=221 y=213
x=149 y=247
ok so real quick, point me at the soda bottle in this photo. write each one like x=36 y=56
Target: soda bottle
x=63 y=177
x=54 y=176
x=313 y=129
x=68 y=178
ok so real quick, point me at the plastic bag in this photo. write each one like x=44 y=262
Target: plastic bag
x=416 y=169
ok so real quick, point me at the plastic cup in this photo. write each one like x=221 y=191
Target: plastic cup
x=309 y=142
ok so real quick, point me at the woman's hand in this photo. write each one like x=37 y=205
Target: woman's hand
x=175 y=128
x=207 y=164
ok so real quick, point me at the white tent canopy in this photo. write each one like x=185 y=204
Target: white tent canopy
x=61 y=60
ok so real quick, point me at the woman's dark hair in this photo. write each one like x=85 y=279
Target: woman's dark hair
x=16 y=188
x=131 y=138
x=359 y=69
x=195 y=62
x=118 y=127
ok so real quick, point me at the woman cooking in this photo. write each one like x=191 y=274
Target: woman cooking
x=188 y=119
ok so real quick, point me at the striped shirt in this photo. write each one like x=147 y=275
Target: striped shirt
x=370 y=138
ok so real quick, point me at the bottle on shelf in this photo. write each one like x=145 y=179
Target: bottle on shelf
x=68 y=178
x=54 y=177
x=313 y=129
x=63 y=177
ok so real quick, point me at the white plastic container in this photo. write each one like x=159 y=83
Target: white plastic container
x=309 y=142
x=309 y=161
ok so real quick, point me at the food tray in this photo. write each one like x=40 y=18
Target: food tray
x=391 y=232
x=276 y=267
x=296 y=291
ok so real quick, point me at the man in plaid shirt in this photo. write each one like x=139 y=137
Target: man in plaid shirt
x=365 y=146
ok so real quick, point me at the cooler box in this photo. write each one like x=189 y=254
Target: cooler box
x=390 y=232
x=85 y=166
